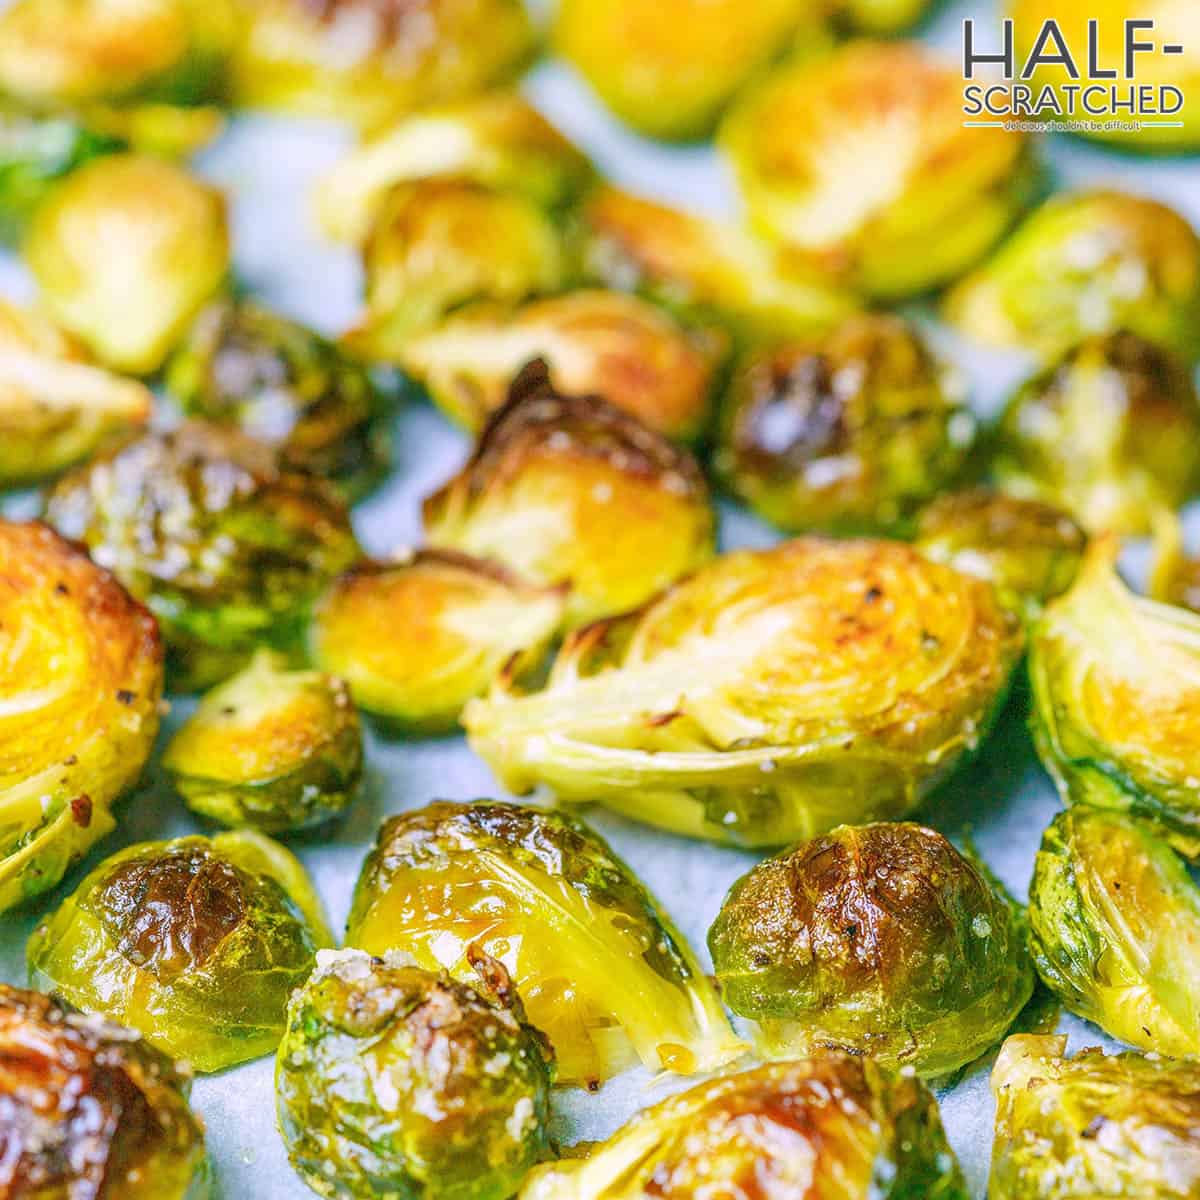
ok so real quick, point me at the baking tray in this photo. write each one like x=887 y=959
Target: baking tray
x=268 y=167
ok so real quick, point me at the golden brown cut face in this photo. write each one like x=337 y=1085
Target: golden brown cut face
x=570 y=490
x=90 y=1109
x=371 y=61
x=831 y=1127
x=81 y=679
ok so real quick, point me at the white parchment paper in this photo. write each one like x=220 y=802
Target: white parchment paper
x=269 y=167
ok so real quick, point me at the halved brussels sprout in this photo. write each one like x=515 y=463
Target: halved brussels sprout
x=369 y=63
x=126 y=251
x=439 y=244
x=1029 y=551
x=772 y=696
x=195 y=943
x=284 y=385
x=707 y=269
x=670 y=69
x=880 y=939
x=227 y=549
x=595 y=343
x=417 y=638
x=570 y=490
x=1101 y=23
x=834 y=1127
x=36 y=151
x=1174 y=574
x=1093 y=1125
x=497 y=140
x=55 y=407
x=1084 y=264
x=598 y=965
x=271 y=749
x=141 y=70
x=1111 y=433
x=859 y=161
x=1116 y=685
x=1114 y=921
x=80 y=683
x=393 y=1080
x=849 y=433
x=91 y=1110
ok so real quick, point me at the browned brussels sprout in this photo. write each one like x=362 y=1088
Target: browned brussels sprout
x=393 y=1080
x=271 y=749
x=1116 y=686
x=1094 y=1125
x=881 y=939
x=439 y=244
x=668 y=69
x=570 y=490
x=850 y=433
x=56 y=408
x=860 y=162
x=126 y=251
x=706 y=269
x=832 y=1127
x=91 y=1110
x=195 y=943
x=369 y=61
x=594 y=342
x=227 y=549
x=1083 y=265
x=497 y=140
x=1114 y=921
x=80 y=683
x=286 y=386
x=417 y=638
x=772 y=696
x=1029 y=551
x=1111 y=433
x=598 y=965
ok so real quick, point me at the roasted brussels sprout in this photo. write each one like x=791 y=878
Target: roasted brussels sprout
x=850 y=433
x=284 y=385
x=834 y=1127
x=439 y=244
x=880 y=16
x=595 y=343
x=90 y=1109
x=706 y=269
x=55 y=407
x=1117 y=699
x=936 y=196
x=194 y=942
x=570 y=490
x=1174 y=575
x=597 y=964
x=126 y=250
x=1114 y=920
x=416 y=638
x=272 y=749
x=148 y=71
x=497 y=140
x=395 y=1080
x=1112 y=433
x=880 y=939
x=669 y=69
x=1093 y=1125
x=772 y=696
x=81 y=666
x=367 y=62
x=1102 y=23
x=1084 y=264
x=227 y=549
x=1029 y=551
